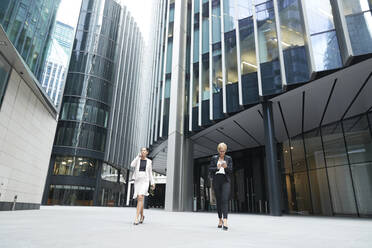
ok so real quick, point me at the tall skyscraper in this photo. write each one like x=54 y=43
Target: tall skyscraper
x=97 y=134
x=28 y=25
x=55 y=68
x=284 y=83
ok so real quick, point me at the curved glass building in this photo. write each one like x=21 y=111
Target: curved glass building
x=94 y=140
x=284 y=83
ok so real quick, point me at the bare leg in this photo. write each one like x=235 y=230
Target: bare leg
x=225 y=222
x=138 y=208
x=142 y=205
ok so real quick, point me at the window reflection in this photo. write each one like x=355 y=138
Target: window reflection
x=268 y=49
x=70 y=195
x=217 y=80
x=75 y=166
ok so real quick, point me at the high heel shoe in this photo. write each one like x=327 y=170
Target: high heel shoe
x=219 y=226
x=225 y=228
x=142 y=219
x=135 y=223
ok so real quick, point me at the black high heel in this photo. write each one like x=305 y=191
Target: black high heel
x=219 y=226
x=142 y=219
x=135 y=223
x=225 y=228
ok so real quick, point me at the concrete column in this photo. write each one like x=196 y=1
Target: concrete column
x=179 y=187
x=273 y=176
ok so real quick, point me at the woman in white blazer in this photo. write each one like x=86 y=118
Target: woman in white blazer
x=142 y=176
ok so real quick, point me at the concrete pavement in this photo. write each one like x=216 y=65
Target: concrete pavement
x=92 y=227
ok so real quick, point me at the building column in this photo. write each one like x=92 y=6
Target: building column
x=273 y=176
x=179 y=187
x=44 y=200
x=98 y=185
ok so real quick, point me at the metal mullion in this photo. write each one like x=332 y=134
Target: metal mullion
x=310 y=56
x=200 y=62
x=210 y=61
x=259 y=80
x=238 y=58
x=120 y=87
x=224 y=109
x=129 y=68
x=154 y=67
x=326 y=170
x=280 y=48
x=164 y=71
x=129 y=120
x=191 y=90
x=160 y=72
x=349 y=164
x=108 y=145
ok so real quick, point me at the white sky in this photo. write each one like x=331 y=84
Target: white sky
x=141 y=10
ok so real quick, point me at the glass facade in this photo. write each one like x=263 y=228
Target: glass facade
x=4 y=77
x=70 y=195
x=327 y=171
x=28 y=25
x=75 y=166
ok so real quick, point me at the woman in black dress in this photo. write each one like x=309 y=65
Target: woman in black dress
x=220 y=170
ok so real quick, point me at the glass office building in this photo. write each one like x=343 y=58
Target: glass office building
x=29 y=25
x=95 y=139
x=284 y=83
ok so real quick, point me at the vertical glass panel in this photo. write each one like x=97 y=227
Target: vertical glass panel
x=358 y=139
x=323 y=36
x=168 y=68
x=232 y=96
x=341 y=190
x=298 y=154
x=195 y=96
x=217 y=81
x=293 y=41
x=205 y=23
x=248 y=61
x=205 y=89
x=314 y=149
x=195 y=57
x=268 y=49
x=302 y=192
x=334 y=145
x=360 y=32
x=355 y=6
x=290 y=193
x=216 y=22
x=196 y=6
x=166 y=105
x=244 y=8
x=228 y=15
x=4 y=75
x=362 y=177
x=320 y=192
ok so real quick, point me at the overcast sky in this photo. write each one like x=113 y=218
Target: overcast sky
x=68 y=13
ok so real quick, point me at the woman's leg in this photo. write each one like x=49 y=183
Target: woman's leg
x=225 y=194
x=142 y=205
x=217 y=192
x=138 y=208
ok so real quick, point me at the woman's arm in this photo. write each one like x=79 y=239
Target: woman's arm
x=134 y=162
x=229 y=167
x=150 y=173
x=213 y=167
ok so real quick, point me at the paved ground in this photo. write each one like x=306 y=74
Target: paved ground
x=112 y=227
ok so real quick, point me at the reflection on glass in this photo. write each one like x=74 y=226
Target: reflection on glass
x=334 y=145
x=268 y=49
x=314 y=149
x=362 y=177
x=75 y=166
x=293 y=41
x=228 y=15
x=216 y=22
x=217 y=81
x=302 y=193
x=320 y=192
x=298 y=154
x=287 y=157
x=341 y=190
x=205 y=89
x=195 y=96
x=166 y=105
x=359 y=22
x=196 y=44
x=232 y=96
x=248 y=62
x=70 y=195
x=323 y=36
x=205 y=23
x=358 y=140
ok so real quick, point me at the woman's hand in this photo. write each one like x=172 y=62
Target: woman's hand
x=224 y=164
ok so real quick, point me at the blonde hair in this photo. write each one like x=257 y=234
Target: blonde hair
x=222 y=145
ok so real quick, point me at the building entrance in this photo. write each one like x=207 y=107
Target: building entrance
x=248 y=184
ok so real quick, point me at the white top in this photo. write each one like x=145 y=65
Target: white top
x=221 y=170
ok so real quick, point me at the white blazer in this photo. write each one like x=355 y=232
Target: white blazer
x=136 y=164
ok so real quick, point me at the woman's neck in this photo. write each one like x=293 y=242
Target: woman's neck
x=143 y=158
x=222 y=157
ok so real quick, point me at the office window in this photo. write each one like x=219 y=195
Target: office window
x=4 y=77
